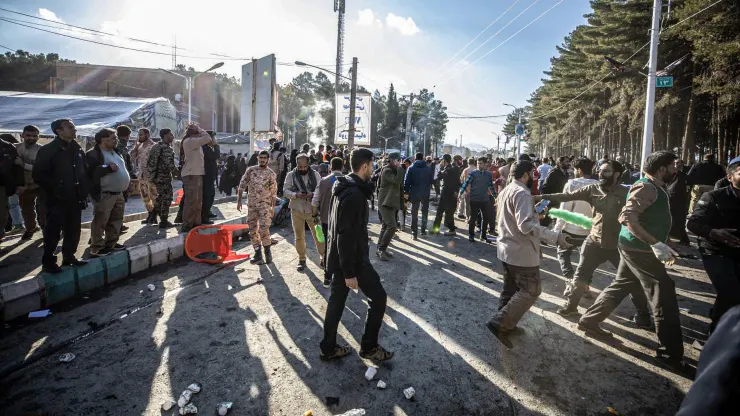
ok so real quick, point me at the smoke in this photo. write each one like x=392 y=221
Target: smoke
x=317 y=125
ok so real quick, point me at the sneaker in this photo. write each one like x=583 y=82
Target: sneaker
x=567 y=311
x=327 y=283
x=377 y=354
x=100 y=253
x=642 y=321
x=301 y=266
x=382 y=255
x=207 y=222
x=16 y=230
x=212 y=215
x=500 y=334
x=124 y=229
x=450 y=234
x=594 y=330
x=339 y=352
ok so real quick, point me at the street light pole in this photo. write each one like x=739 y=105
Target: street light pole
x=647 y=131
x=189 y=83
x=518 y=137
x=352 y=105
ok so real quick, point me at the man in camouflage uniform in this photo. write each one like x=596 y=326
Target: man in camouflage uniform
x=261 y=185
x=160 y=167
x=147 y=190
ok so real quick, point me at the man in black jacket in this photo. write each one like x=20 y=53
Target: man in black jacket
x=449 y=175
x=211 y=154
x=11 y=179
x=702 y=178
x=556 y=178
x=716 y=220
x=348 y=259
x=678 y=196
x=60 y=172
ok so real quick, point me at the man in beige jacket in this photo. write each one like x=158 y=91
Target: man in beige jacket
x=30 y=198
x=147 y=189
x=192 y=173
x=300 y=187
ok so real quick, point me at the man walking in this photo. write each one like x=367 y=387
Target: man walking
x=702 y=177
x=109 y=179
x=678 y=198
x=543 y=170
x=300 y=187
x=161 y=170
x=147 y=189
x=519 y=251
x=192 y=175
x=60 y=172
x=479 y=183
x=449 y=176
x=556 y=177
x=463 y=203
x=30 y=198
x=348 y=261
x=389 y=201
x=417 y=185
x=646 y=224
x=322 y=201
x=261 y=185
x=211 y=153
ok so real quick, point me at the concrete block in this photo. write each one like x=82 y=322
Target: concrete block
x=117 y=266
x=139 y=258
x=61 y=286
x=176 y=245
x=159 y=252
x=91 y=276
x=20 y=298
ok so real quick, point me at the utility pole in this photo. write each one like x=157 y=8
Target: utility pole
x=519 y=138
x=647 y=135
x=408 y=124
x=425 y=141
x=352 y=104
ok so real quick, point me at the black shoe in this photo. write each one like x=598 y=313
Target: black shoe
x=178 y=220
x=123 y=229
x=165 y=224
x=675 y=364
x=212 y=215
x=500 y=334
x=73 y=262
x=207 y=222
x=268 y=255
x=484 y=239
x=327 y=283
x=150 y=219
x=185 y=230
x=301 y=266
x=52 y=268
x=642 y=321
x=117 y=247
x=568 y=311
x=257 y=258
x=414 y=237
x=594 y=330
x=100 y=253
x=423 y=232
x=471 y=238
x=29 y=233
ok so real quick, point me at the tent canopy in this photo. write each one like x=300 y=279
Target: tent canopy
x=90 y=114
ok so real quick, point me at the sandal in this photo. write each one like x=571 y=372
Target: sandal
x=377 y=354
x=339 y=352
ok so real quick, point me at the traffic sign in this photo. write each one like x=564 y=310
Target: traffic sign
x=664 y=82
x=519 y=129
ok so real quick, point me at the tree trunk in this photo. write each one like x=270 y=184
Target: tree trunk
x=688 y=145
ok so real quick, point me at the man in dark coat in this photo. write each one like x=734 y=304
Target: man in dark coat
x=449 y=176
x=556 y=178
x=678 y=195
x=417 y=185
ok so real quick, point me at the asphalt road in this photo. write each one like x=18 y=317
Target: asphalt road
x=250 y=335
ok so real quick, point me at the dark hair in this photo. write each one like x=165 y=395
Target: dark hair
x=616 y=166
x=483 y=159
x=545 y=160
x=360 y=157
x=657 y=160
x=733 y=166
x=561 y=159
x=8 y=138
x=123 y=131
x=164 y=132
x=447 y=158
x=584 y=164
x=328 y=147
x=143 y=129
x=471 y=161
x=103 y=134
x=263 y=153
x=57 y=124
x=709 y=156
x=31 y=129
x=525 y=156
x=337 y=163
x=521 y=167
x=511 y=159
x=457 y=157
x=306 y=146
x=419 y=156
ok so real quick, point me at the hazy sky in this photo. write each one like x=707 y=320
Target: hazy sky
x=409 y=43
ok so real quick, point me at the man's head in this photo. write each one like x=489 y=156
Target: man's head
x=525 y=156
x=545 y=160
x=446 y=159
x=166 y=136
x=106 y=139
x=709 y=157
x=471 y=161
x=660 y=165
x=609 y=174
x=123 y=133
x=510 y=160
x=143 y=134
x=563 y=163
x=262 y=158
x=328 y=148
x=733 y=172
x=64 y=128
x=584 y=167
x=337 y=163
x=482 y=163
x=306 y=148
x=302 y=161
x=271 y=141
x=361 y=161
x=30 y=135
x=321 y=148
x=522 y=171
x=679 y=164
x=394 y=160
x=419 y=156
x=458 y=160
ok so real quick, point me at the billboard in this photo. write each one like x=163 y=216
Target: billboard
x=362 y=119
x=259 y=103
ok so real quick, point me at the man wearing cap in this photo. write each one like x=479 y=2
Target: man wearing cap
x=300 y=187
x=389 y=201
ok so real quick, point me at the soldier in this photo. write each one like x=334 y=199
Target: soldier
x=148 y=191
x=160 y=167
x=261 y=184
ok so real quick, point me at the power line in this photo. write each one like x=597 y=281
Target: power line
x=5 y=47
x=477 y=36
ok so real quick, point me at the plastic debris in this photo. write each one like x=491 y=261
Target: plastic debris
x=39 y=314
x=150 y=287
x=353 y=412
x=381 y=384
x=223 y=408
x=168 y=404
x=308 y=413
x=195 y=387
x=184 y=398
x=332 y=401
x=409 y=393
x=67 y=357
x=697 y=345
x=612 y=410
x=370 y=373
x=189 y=410
x=229 y=287
x=685 y=310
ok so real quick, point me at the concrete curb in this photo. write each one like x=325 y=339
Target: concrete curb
x=19 y=298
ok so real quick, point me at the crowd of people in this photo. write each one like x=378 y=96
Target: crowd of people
x=633 y=214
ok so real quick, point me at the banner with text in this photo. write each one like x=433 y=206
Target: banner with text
x=362 y=119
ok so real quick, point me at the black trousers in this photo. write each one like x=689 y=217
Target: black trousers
x=369 y=282
x=638 y=268
x=678 y=221
x=61 y=217
x=209 y=195
x=415 y=213
x=325 y=228
x=479 y=208
x=447 y=206
x=724 y=272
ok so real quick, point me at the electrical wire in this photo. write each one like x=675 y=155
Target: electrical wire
x=477 y=36
x=5 y=47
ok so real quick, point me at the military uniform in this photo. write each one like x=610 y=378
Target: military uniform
x=147 y=189
x=161 y=169
x=261 y=186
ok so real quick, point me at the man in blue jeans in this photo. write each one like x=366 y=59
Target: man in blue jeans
x=480 y=184
x=417 y=185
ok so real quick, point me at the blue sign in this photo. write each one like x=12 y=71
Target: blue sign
x=519 y=129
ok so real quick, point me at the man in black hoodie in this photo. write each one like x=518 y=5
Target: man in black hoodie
x=348 y=260
x=449 y=175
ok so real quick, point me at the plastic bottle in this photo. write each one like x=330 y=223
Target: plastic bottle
x=353 y=412
x=319 y=231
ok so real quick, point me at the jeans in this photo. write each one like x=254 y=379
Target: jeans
x=415 y=213
x=60 y=216
x=564 y=253
x=388 y=229
x=369 y=283
x=522 y=287
x=447 y=205
x=724 y=272
x=14 y=208
x=638 y=268
x=479 y=208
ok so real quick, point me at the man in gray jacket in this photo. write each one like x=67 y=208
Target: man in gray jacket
x=389 y=201
x=322 y=202
x=519 y=238
x=300 y=188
